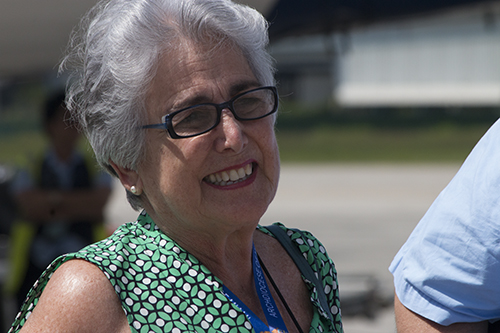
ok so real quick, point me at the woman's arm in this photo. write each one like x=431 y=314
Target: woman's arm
x=408 y=321
x=78 y=298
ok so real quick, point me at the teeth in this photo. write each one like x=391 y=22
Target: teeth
x=248 y=169
x=233 y=175
x=241 y=173
x=230 y=176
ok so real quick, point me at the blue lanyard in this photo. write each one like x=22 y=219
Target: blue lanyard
x=273 y=316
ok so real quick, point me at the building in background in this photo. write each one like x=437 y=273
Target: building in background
x=449 y=58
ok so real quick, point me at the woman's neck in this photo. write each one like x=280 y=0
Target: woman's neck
x=229 y=258
x=224 y=248
x=226 y=253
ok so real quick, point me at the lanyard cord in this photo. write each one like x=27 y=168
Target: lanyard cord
x=280 y=295
x=275 y=322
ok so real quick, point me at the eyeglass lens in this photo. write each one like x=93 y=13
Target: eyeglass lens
x=200 y=118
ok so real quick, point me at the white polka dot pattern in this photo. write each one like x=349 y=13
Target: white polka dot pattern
x=165 y=289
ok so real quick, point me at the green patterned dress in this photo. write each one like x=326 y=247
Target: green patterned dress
x=163 y=288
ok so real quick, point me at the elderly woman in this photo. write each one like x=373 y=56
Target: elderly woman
x=177 y=100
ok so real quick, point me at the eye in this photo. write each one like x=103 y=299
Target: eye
x=194 y=119
x=250 y=106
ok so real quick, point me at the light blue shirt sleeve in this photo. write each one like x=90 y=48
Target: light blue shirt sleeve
x=448 y=270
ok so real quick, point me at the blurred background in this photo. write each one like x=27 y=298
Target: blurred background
x=381 y=101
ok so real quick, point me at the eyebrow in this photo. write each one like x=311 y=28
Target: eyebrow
x=200 y=99
x=243 y=86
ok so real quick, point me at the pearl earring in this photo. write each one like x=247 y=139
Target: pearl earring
x=133 y=189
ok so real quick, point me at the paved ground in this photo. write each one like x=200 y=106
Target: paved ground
x=361 y=213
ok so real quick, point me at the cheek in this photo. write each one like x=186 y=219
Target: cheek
x=159 y=180
x=268 y=140
x=165 y=169
x=154 y=167
x=276 y=163
x=269 y=147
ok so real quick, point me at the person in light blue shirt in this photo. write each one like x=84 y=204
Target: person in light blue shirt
x=447 y=274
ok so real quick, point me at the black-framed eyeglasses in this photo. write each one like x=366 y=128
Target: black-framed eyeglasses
x=198 y=119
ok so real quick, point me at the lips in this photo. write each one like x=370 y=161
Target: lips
x=230 y=177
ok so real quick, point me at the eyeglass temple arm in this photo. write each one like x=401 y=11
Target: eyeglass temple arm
x=161 y=126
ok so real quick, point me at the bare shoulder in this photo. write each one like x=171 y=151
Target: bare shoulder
x=270 y=248
x=78 y=298
x=408 y=321
x=276 y=258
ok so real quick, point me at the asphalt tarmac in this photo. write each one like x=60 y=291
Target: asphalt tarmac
x=362 y=213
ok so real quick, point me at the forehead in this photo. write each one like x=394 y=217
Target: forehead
x=203 y=70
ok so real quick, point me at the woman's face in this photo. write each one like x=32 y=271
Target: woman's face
x=177 y=175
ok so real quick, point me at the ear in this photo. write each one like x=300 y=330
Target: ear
x=128 y=177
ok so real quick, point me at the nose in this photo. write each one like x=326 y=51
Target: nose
x=231 y=135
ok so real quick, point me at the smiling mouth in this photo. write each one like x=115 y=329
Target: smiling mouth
x=229 y=177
